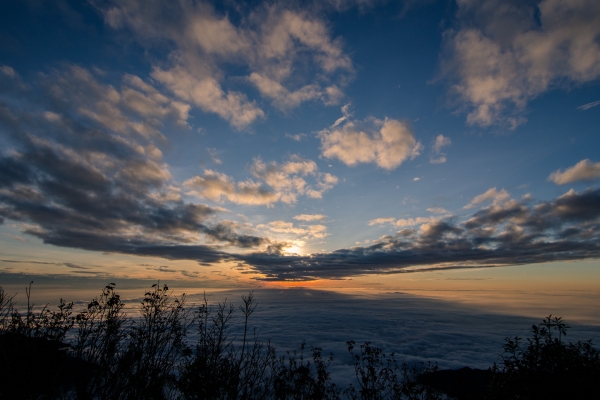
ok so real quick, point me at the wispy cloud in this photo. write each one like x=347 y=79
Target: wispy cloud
x=437 y=210
x=491 y=194
x=584 y=170
x=437 y=156
x=297 y=137
x=589 y=105
x=213 y=153
x=310 y=217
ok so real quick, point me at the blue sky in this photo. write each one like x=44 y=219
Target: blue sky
x=297 y=141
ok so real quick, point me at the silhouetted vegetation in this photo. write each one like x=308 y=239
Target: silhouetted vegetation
x=463 y=384
x=547 y=367
x=103 y=353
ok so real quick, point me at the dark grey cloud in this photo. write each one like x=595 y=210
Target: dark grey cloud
x=516 y=232
x=81 y=169
x=166 y=268
x=74 y=266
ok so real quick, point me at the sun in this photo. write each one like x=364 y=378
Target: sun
x=294 y=250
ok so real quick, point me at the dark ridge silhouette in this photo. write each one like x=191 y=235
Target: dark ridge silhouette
x=101 y=353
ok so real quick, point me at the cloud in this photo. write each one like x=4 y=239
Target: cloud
x=298 y=137
x=275 y=182
x=14 y=237
x=213 y=153
x=382 y=221
x=219 y=187
x=8 y=71
x=304 y=231
x=289 y=55
x=79 y=172
x=508 y=233
x=74 y=266
x=386 y=143
x=584 y=170
x=75 y=182
x=505 y=54
x=135 y=108
x=437 y=157
x=415 y=221
x=401 y=223
x=206 y=93
x=589 y=105
x=310 y=217
x=491 y=194
x=165 y=268
x=437 y=210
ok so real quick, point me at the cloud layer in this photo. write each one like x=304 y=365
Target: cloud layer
x=505 y=233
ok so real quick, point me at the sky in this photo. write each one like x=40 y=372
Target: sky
x=363 y=144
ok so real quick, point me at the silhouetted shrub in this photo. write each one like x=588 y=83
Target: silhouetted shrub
x=156 y=344
x=100 y=341
x=295 y=378
x=380 y=377
x=546 y=367
x=220 y=369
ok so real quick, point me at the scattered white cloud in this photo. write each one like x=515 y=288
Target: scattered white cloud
x=216 y=186
x=213 y=153
x=8 y=71
x=437 y=210
x=310 y=217
x=416 y=179
x=387 y=143
x=401 y=223
x=493 y=194
x=297 y=137
x=507 y=53
x=584 y=170
x=269 y=41
x=437 y=156
x=274 y=182
x=206 y=93
x=382 y=221
x=589 y=105
x=282 y=97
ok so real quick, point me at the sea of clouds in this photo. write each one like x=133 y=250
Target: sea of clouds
x=415 y=328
